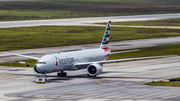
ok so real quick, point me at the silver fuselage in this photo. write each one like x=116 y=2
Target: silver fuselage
x=66 y=61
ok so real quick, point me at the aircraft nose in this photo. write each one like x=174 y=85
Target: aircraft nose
x=38 y=68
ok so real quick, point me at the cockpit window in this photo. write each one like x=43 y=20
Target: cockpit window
x=41 y=62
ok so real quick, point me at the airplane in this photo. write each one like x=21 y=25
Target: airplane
x=90 y=59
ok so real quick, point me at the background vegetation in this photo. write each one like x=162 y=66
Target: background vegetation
x=150 y=51
x=47 y=36
x=174 y=83
x=167 y=22
x=31 y=63
x=163 y=83
x=52 y=9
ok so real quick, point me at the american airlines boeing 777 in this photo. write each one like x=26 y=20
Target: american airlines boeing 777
x=90 y=59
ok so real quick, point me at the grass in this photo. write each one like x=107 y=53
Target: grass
x=167 y=22
x=48 y=36
x=178 y=78
x=53 y=9
x=149 y=51
x=163 y=83
x=31 y=63
x=10 y=15
x=144 y=52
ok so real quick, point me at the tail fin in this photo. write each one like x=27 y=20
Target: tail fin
x=105 y=41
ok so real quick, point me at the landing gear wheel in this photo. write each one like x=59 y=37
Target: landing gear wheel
x=90 y=75
x=62 y=74
x=45 y=80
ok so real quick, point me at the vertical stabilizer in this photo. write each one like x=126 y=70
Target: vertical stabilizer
x=105 y=40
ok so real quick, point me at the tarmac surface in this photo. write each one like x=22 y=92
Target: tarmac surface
x=86 y=21
x=118 y=81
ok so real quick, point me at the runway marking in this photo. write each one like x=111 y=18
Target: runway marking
x=43 y=85
x=99 y=81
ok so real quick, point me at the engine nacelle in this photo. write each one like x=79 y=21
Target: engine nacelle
x=94 y=69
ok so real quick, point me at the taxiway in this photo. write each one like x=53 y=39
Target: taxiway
x=86 y=21
x=119 y=81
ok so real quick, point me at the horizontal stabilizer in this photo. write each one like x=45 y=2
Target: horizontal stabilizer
x=124 y=51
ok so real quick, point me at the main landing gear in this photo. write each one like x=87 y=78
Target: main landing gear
x=62 y=74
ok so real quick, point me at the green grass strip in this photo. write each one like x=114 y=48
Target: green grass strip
x=48 y=36
x=31 y=63
x=163 y=83
x=167 y=22
x=55 y=9
x=150 y=51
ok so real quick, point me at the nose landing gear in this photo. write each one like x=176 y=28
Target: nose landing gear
x=62 y=74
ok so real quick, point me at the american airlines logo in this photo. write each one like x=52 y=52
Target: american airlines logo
x=56 y=61
x=63 y=61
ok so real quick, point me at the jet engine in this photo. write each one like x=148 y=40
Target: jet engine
x=94 y=69
x=36 y=70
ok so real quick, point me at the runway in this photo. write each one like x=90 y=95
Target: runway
x=86 y=21
x=119 y=81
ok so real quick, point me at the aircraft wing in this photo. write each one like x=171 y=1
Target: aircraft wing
x=119 y=60
x=31 y=57
x=124 y=51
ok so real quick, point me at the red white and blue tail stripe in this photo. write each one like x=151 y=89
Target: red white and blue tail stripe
x=105 y=41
